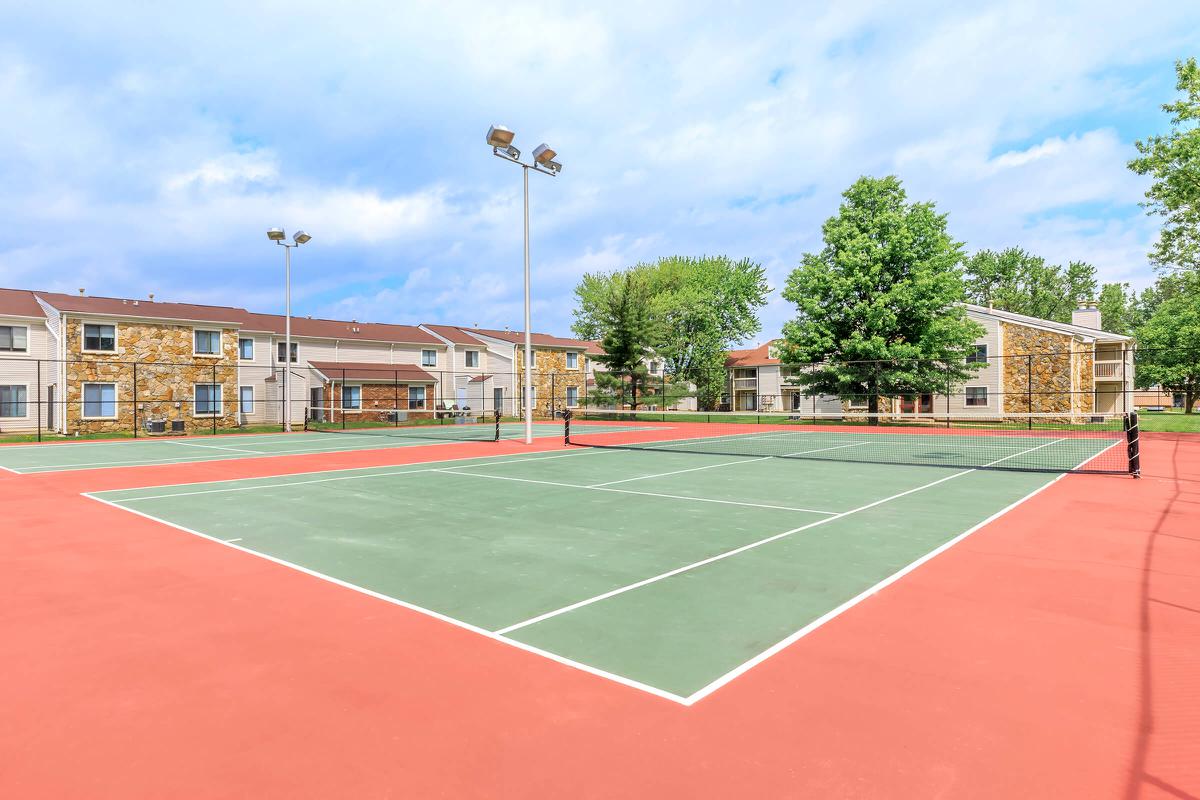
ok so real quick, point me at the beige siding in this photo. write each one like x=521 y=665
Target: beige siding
x=22 y=369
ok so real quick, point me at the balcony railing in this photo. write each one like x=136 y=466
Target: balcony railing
x=740 y=384
x=1108 y=370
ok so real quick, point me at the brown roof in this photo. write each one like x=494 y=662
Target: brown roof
x=480 y=379
x=594 y=349
x=543 y=339
x=372 y=373
x=453 y=333
x=337 y=329
x=754 y=357
x=20 y=303
x=116 y=306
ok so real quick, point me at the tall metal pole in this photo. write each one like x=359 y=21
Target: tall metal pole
x=287 y=335
x=528 y=334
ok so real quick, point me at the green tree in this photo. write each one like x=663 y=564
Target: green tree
x=699 y=308
x=877 y=307
x=629 y=332
x=1118 y=308
x=1017 y=281
x=1169 y=346
x=1173 y=163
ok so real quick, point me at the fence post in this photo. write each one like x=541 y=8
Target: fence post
x=1029 y=388
x=396 y=398
x=553 y=389
x=948 y=388
x=37 y=403
x=220 y=387
x=135 y=408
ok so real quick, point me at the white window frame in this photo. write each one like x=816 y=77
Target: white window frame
x=424 y=398
x=572 y=403
x=569 y=357
x=220 y=412
x=217 y=353
x=116 y=401
x=356 y=408
x=431 y=363
x=987 y=398
x=283 y=344
x=242 y=402
x=83 y=348
x=12 y=353
x=467 y=354
x=249 y=339
x=24 y=386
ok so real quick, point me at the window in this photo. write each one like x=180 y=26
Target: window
x=246 y=399
x=246 y=349
x=977 y=395
x=572 y=360
x=14 y=339
x=101 y=338
x=572 y=396
x=279 y=356
x=416 y=397
x=352 y=397
x=472 y=358
x=207 y=343
x=980 y=355
x=208 y=399
x=99 y=400
x=429 y=358
x=498 y=398
x=13 y=401
x=653 y=367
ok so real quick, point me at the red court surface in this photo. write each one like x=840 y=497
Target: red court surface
x=1052 y=654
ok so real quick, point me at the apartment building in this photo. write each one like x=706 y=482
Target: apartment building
x=1025 y=364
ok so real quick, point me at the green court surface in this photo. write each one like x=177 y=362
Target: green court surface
x=669 y=572
x=60 y=456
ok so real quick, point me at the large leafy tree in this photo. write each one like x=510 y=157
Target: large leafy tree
x=1014 y=280
x=1169 y=345
x=877 y=306
x=629 y=333
x=1173 y=162
x=1119 y=308
x=699 y=308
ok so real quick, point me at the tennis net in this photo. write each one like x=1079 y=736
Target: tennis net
x=1106 y=443
x=441 y=425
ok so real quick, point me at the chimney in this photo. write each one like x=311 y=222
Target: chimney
x=1087 y=315
x=152 y=297
x=81 y=292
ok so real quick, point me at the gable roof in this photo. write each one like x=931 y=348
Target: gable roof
x=1046 y=324
x=142 y=309
x=753 y=357
x=452 y=333
x=372 y=373
x=19 y=303
x=340 y=329
x=541 y=339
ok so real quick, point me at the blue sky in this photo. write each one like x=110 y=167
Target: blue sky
x=147 y=147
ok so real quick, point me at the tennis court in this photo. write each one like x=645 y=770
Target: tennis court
x=670 y=572
x=61 y=456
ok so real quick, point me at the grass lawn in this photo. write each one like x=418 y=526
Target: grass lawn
x=1169 y=421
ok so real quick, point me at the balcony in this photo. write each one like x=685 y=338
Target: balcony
x=745 y=384
x=1108 y=370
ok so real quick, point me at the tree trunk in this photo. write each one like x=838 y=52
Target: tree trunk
x=872 y=404
x=1189 y=400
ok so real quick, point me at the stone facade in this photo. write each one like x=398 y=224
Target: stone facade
x=551 y=379
x=167 y=371
x=1045 y=372
x=377 y=401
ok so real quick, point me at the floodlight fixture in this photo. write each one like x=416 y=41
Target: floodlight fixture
x=276 y=234
x=499 y=136
x=543 y=159
x=300 y=237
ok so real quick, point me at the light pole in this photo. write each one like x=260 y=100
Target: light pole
x=500 y=138
x=277 y=236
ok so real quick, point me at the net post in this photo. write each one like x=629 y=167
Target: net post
x=497 y=413
x=1133 y=444
x=567 y=426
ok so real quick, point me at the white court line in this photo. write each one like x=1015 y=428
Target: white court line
x=285 y=484
x=746 y=666
x=206 y=446
x=412 y=607
x=722 y=464
x=625 y=491
x=738 y=550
